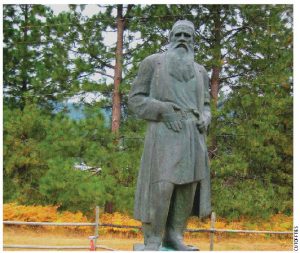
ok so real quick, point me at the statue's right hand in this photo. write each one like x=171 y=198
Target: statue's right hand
x=169 y=107
x=174 y=125
x=172 y=121
x=170 y=116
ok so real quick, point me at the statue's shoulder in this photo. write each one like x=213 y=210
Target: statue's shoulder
x=152 y=59
x=200 y=67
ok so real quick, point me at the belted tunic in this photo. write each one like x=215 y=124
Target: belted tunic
x=176 y=157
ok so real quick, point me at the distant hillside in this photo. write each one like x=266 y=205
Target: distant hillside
x=76 y=111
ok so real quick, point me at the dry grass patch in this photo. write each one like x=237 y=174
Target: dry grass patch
x=14 y=235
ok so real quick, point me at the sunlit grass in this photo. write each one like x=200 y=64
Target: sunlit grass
x=15 y=235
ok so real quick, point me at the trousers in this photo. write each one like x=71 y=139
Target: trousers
x=172 y=206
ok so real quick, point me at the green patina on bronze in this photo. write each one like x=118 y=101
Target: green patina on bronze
x=171 y=92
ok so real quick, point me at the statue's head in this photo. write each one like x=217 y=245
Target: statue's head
x=182 y=35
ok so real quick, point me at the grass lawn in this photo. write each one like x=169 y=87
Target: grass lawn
x=15 y=235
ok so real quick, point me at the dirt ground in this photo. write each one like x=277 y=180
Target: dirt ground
x=19 y=236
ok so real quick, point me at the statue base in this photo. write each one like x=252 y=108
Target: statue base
x=140 y=247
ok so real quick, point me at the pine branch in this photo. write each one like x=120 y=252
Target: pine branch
x=103 y=73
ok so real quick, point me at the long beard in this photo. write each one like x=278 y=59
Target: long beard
x=181 y=63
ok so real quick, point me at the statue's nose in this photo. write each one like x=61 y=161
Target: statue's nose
x=182 y=38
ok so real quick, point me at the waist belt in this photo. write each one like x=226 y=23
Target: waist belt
x=181 y=115
x=187 y=115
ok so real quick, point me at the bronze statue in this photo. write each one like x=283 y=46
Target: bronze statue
x=171 y=92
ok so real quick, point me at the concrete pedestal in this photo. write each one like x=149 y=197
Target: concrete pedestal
x=140 y=247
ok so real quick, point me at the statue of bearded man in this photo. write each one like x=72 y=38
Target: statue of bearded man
x=171 y=92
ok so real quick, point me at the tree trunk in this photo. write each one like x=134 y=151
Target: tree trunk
x=216 y=70
x=25 y=55
x=215 y=84
x=215 y=77
x=116 y=99
x=109 y=207
x=116 y=109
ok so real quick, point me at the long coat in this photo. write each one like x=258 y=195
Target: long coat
x=171 y=156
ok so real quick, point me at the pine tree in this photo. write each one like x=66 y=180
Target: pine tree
x=256 y=119
x=35 y=60
x=247 y=49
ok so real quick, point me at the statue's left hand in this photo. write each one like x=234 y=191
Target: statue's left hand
x=201 y=125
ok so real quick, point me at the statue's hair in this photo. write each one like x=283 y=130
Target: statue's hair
x=182 y=23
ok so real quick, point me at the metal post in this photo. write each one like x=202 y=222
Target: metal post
x=96 y=226
x=92 y=242
x=212 y=226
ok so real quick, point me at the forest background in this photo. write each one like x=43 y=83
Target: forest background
x=49 y=59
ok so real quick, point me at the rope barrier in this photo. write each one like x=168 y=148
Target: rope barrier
x=139 y=227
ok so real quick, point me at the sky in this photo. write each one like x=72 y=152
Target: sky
x=89 y=10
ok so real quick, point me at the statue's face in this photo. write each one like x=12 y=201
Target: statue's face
x=182 y=37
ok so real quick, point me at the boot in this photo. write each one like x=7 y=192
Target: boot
x=179 y=212
x=153 y=245
x=152 y=242
x=153 y=232
x=174 y=239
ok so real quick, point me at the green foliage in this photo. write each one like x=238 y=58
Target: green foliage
x=35 y=60
x=49 y=58
x=40 y=151
x=70 y=189
x=255 y=122
x=243 y=198
x=24 y=133
x=11 y=191
x=121 y=164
